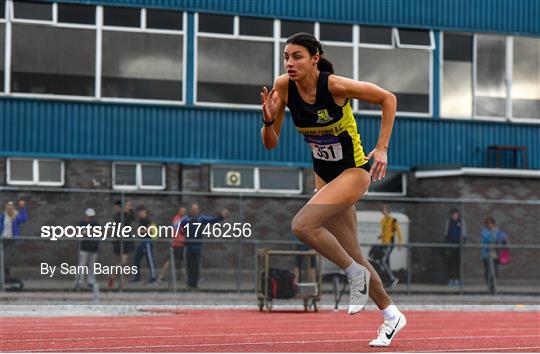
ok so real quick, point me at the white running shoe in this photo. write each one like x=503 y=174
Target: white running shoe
x=359 y=287
x=388 y=330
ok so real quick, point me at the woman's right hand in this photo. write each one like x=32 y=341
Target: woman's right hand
x=270 y=104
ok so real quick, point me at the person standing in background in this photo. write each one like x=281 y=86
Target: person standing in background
x=389 y=230
x=454 y=234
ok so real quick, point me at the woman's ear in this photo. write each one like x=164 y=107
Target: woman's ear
x=316 y=59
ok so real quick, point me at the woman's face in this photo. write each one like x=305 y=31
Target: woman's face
x=298 y=62
x=10 y=209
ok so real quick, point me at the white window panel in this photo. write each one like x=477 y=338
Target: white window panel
x=151 y=176
x=255 y=179
x=132 y=176
x=274 y=180
x=490 y=95
x=37 y=172
x=526 y=78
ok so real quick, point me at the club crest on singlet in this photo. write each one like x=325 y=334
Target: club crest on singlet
x=323 y=116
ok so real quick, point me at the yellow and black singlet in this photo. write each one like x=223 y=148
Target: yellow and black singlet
x=329 y=129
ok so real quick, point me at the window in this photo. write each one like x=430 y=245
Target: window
x=388 y=53
x=142 y=65
x=394 y=183
x=32 y=10
x=45 y=172
x=231 y=69
x=152 y=176
x=138 y=176
x=411 y=66
x=53 y=60
x=288 y=28
x=256 y=27
x=341 y=58
x=233 y=178
x=74 y=13
x=376 y=35
x=121 y=16
x=2 y=9
x=504 y=85
x=255 y=179
x=456 y=98
x=2 y=47
x=164 y=19
x=216 y=23
x=275 y=179
x=335 y=33
x=490 y=76
x=412 y=38
x=526 y=78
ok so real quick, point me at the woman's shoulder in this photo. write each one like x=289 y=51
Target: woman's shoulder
x=281 y=85
x=339 y=85
x=282 y=82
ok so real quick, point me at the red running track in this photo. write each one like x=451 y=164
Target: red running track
x=253 y=331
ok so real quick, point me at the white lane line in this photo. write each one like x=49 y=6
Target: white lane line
x=343 y=326
x=206 y=335
x=262 y=343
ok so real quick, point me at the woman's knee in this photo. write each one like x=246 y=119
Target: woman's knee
x=302 y=228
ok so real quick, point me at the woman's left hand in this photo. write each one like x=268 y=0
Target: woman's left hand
x=380 y=162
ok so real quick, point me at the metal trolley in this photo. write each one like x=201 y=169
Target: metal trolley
x=262 y=266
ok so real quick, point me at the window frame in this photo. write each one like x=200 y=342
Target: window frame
x=35 y=173
x=278 y=41
x=138 y=176
x=7 y=74
x=235 y=36
x=393 y=194
x=394 y=46
x=256 y=181
x=509 y=66
x=396 y=40
x=98 y=27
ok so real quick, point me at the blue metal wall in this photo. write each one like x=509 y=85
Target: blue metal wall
x=194 y=135
x=508 y=16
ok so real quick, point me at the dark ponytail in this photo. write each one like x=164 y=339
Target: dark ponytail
x=313 y=46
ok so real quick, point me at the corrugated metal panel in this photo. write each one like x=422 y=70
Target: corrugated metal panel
x=508 y=16
x=193 y=135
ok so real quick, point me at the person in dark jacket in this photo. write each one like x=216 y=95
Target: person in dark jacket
x=88 y=251
x=194 y=247
x=122 y=248
x=454 y=234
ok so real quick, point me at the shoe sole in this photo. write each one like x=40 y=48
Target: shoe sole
x=394 y=336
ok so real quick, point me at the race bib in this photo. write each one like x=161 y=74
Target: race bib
x=327 y=148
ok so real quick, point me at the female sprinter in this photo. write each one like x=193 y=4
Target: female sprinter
x=320 y=105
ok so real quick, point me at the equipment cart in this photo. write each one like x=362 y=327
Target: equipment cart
x=310 y=293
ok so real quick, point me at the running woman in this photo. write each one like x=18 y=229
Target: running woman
x=320 y=105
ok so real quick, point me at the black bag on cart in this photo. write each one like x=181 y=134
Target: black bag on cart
x=280 y=284
x=14 y=284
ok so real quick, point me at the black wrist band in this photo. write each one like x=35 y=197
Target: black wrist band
x=268 y=123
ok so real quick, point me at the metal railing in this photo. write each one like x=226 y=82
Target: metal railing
x=241 y=256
